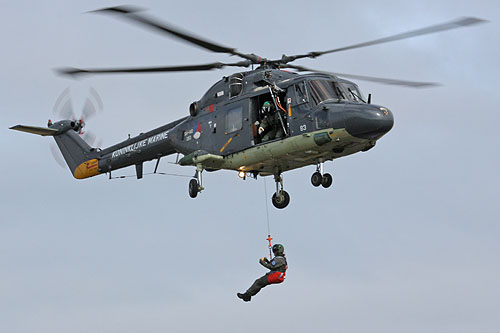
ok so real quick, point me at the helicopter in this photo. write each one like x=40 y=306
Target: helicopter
x=322 y=116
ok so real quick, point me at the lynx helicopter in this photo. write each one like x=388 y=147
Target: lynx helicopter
x=323 y=116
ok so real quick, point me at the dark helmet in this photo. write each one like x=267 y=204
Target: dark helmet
x=278 y=250
x=266 y=107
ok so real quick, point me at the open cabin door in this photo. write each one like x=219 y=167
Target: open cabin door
x=257 y=116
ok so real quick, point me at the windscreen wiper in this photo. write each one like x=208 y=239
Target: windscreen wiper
x=356 y=95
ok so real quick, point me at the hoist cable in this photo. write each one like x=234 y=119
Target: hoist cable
x=267 y=208
x=269 y=239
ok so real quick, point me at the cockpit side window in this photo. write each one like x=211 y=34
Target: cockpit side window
x=301 y=96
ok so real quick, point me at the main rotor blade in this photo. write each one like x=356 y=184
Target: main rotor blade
x=132 y=13
x=411 y=84
x=188 y=68
x=461 y=22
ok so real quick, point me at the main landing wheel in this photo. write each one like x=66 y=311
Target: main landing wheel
x=193 y=188
x=316 y=179
x=327 y=180
x=282 y=200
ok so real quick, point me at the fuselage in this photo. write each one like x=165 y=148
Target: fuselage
x=323 y=118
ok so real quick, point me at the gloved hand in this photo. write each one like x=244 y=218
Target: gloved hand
x=261 y=130
x=257 y=123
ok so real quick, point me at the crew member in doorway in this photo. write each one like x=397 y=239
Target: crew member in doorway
x=271 y=125
x=277 y=266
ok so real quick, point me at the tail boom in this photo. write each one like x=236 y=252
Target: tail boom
x=85 y=161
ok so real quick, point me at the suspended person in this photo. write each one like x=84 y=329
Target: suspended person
x=271 y=124
x=277 y=266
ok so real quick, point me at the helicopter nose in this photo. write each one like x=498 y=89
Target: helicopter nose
x=369 y=123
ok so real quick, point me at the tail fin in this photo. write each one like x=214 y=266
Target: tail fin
x=81 y=159
x=76 y=153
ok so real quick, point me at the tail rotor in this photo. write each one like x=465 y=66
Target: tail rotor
x=64 y=109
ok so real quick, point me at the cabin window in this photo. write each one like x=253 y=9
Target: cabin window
x=234 y=120
x=323 y=90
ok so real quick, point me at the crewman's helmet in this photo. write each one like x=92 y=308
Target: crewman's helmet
x=278 y=249
x=266 y=107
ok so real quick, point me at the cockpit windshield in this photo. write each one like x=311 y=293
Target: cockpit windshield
x=324 y=90
x=354 y=93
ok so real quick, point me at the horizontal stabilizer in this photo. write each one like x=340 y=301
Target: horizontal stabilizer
x=43 y=131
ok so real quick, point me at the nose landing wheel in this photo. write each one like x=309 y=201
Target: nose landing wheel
x=318 y=178
x=282 y=200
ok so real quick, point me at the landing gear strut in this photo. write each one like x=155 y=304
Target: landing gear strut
x=280 y=199
x=195 y=185
x=319 y=178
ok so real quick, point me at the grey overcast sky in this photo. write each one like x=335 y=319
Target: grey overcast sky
x=406 y=240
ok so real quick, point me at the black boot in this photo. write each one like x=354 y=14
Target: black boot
x=246 y=297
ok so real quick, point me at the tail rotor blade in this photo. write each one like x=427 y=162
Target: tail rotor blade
x=96 y=98
x=56 y=153
x=93 y=105
x=63 y=106
x=100 y=142
x=89 y=137
x=88 y=110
